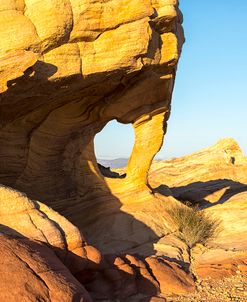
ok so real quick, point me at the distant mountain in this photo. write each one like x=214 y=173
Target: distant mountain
x=117 y=162
x=114 y=163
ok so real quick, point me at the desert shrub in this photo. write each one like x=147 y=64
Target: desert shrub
x=194 y=226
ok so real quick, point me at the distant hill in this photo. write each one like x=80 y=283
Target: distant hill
x=117 y=162
x=114 y=163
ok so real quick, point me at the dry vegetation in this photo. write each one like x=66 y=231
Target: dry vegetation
x=194 y=226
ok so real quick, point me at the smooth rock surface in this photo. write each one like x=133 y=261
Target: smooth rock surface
x=22 y=217
x=215 y=179
x=30 y=271
x=171 y=277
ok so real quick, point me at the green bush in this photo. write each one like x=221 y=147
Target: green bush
x=194 y=226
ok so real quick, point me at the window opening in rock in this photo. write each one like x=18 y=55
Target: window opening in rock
x=113 y=147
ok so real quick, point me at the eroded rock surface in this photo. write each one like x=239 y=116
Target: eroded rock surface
x=38 y=243
x=215 y=179
x=30 y=271
x=207 y=174
x=67 y=68
x=22 y=217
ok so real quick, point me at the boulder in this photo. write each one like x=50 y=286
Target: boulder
x=31 y=271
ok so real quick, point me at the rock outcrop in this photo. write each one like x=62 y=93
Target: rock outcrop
x=22 y=217
x=215 y=179
x=30 y=271
x=219 y=163
x=48 y=268
x=67 y=68
x=46 y=254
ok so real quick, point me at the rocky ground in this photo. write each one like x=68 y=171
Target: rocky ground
x=225 y=290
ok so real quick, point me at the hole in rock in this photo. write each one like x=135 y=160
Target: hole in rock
x=113 y=147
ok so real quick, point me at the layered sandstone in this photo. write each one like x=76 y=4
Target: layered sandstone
x=24 y=218
x=42 y=255
x=67 y=68
x=222 y=161
x=215 y=179
x=30 y=271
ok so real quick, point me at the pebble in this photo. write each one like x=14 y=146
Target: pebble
x=233 y=289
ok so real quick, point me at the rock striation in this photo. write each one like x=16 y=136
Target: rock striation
x=222 y=161
x=30 y=271
x=68 y=68
x=215 y=179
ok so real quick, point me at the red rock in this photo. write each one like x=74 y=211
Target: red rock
x=171 y=277
x=218 y=264
x=146 y=284
x=30 y=271
x=94 y=257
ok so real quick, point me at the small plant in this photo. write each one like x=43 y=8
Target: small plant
x=194 y=226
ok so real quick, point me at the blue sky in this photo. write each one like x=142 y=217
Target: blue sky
x=210 y=97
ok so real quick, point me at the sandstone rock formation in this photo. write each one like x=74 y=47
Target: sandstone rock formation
x=36 y=244
x=67 y=68
x=22 y=217
x=30 y=271
x=216 y=180
x=219 y=163
x=128 y=277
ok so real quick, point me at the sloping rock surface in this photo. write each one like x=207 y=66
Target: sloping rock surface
x=30 y=271
x=215 y=179
x=134 y=275
x=204 y=172
x=45 y=253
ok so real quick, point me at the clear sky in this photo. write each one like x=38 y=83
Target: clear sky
x=210 y=96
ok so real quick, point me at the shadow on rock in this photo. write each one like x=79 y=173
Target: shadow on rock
x=122 y=278
x=204 y=194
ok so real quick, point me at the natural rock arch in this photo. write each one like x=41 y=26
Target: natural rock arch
x=61 y=84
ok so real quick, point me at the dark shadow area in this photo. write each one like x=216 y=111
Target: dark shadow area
x=163 y=190
x=184 y=265
x=106 y=172
x=196 y=193
x=115 y=278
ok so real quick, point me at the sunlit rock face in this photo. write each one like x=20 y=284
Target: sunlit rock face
x=69 y=67
x=215 y=179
